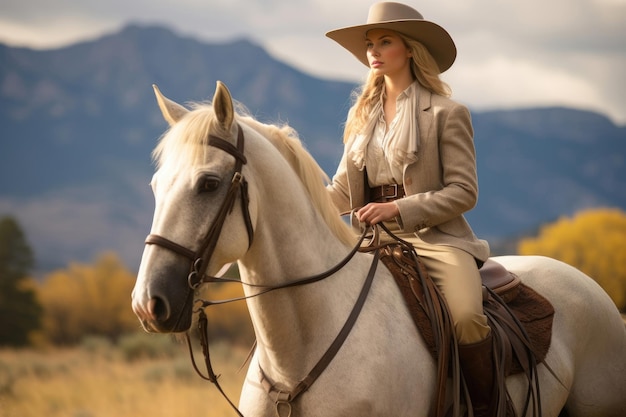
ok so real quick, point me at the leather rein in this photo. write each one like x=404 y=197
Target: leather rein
x=281 y=398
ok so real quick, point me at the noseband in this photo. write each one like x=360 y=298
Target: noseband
x=238 y=184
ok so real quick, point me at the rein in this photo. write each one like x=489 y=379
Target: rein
x=283 y=399
x=267 y=288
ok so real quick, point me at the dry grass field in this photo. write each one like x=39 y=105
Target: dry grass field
x=100 y=380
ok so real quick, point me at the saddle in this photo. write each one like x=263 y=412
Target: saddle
x=519 y=317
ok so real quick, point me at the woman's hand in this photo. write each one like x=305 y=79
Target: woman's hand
x=374 y=213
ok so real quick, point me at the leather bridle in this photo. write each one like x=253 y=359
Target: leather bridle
x=196 y=277
x=238 y=184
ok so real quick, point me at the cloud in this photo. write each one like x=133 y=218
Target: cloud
x=526 y=84
x=566 y=52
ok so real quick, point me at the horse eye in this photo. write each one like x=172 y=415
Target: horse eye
x=208 y=183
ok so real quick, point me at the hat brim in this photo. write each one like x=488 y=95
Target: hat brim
x=435 y=38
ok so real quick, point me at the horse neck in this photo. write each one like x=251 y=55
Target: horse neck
x=294 y=326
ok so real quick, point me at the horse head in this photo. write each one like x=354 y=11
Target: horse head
x=198 y=180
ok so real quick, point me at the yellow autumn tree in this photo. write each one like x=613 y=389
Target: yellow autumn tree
x=95 y=300
x=88 y=300
x=593 y=241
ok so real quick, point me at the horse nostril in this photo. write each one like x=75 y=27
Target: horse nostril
x=160 y=308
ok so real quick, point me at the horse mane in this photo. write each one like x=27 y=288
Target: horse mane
x=186 y=142
x=194 y=129
x=286 y=140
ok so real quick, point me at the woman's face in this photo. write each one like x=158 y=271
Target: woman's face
x=387 y=53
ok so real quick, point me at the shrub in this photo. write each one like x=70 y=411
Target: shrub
x=138 y=345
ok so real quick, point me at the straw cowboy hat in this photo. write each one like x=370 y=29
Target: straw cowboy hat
x=402 y=19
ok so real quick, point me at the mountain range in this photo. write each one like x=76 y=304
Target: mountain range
x=78 y=124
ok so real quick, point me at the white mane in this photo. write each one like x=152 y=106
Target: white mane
x=186 y=143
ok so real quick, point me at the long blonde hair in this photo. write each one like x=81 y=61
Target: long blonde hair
x=424 y=69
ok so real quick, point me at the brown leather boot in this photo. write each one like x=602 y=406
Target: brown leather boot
x=478 y=371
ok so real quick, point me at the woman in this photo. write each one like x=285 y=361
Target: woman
x=409 y=161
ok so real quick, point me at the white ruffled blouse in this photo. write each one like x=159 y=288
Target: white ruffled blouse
x=386 y=150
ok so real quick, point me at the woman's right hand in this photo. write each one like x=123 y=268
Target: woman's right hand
x=374 y=213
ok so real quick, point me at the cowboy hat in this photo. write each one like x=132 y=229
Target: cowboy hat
x=402 y=19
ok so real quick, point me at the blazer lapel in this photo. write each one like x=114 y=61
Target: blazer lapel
x=424 y=118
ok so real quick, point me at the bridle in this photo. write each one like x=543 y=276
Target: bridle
x=200 y=257
x=237 y=184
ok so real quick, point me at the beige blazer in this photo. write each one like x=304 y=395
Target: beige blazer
x=440 y=186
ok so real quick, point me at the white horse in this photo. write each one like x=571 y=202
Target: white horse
x=289 y=230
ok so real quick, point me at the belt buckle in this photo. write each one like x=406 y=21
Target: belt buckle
x=390 y=187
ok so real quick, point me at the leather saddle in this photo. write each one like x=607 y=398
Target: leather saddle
x=515 y=311
x=519 y=317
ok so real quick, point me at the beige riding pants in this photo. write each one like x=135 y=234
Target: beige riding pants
x=455 y=273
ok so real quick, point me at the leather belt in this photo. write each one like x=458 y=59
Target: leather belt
x=387 y=192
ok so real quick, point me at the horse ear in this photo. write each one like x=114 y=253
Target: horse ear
x=172 y=111
x=223 y=106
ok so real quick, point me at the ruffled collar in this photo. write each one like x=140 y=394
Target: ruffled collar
x=401 y=144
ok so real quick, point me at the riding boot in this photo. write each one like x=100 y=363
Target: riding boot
x=478 y=371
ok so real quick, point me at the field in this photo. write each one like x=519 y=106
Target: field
x=101 y=380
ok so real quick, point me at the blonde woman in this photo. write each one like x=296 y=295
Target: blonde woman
x=409 y=161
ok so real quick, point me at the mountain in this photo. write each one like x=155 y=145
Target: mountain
x=536 y=165
x=77 y=125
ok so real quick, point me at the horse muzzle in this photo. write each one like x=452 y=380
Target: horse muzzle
x=162 y=301
x=158 y=315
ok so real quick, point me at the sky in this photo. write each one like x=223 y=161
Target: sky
x=511 y=54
